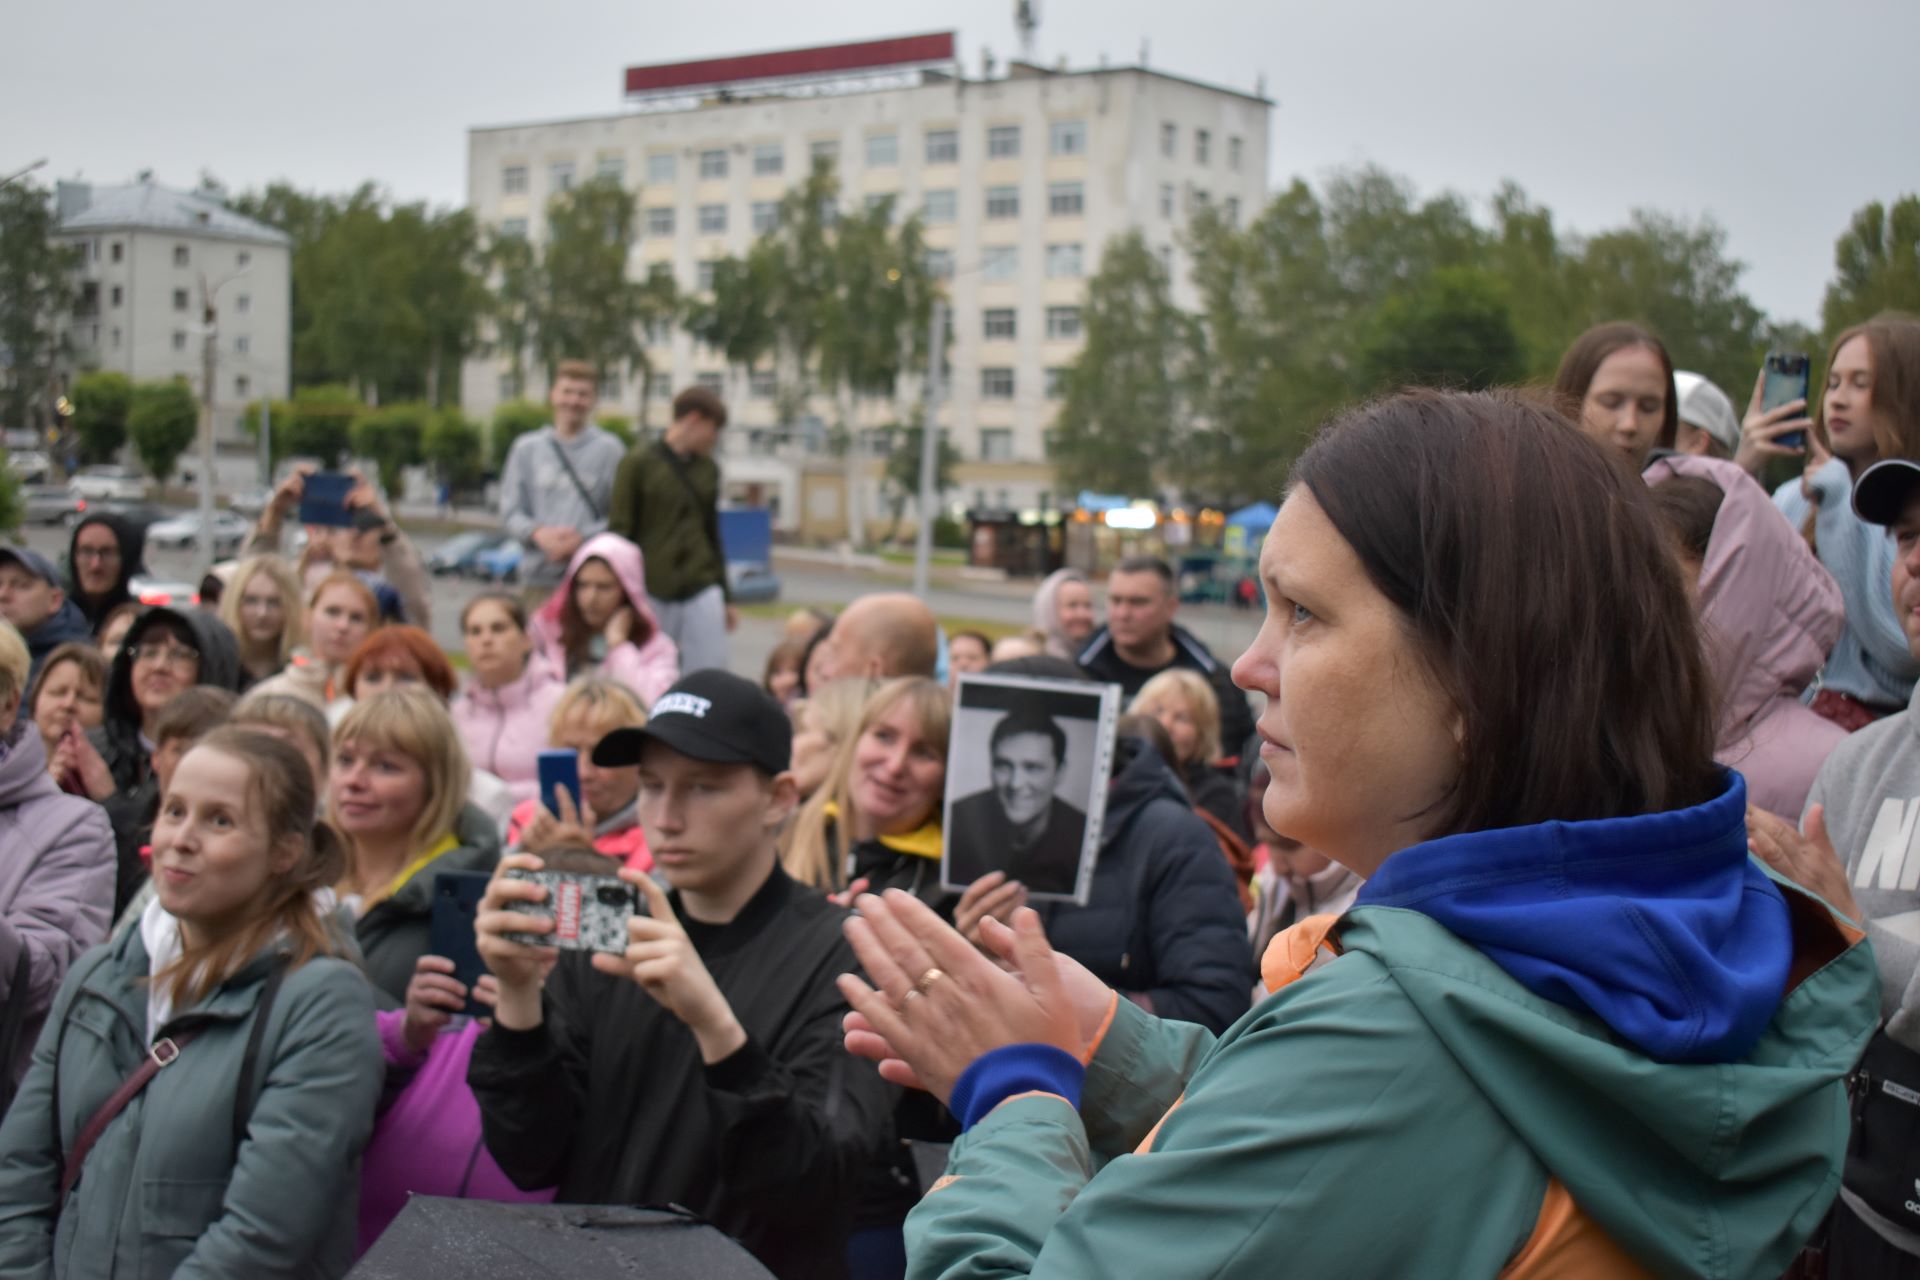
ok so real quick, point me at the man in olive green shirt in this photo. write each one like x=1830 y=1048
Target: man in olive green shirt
x=666 y=498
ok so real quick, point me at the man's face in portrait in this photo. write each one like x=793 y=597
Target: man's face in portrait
x=1024 y=770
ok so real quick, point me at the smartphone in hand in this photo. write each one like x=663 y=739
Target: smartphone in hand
x=450 y=933
x=323 y=499
x=1784 y=379
x=559 y=771
x=589 y=912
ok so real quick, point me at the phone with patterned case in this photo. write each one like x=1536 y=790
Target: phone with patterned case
x=589 y=912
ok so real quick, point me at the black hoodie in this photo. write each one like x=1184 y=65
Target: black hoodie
x=132 y=537
x=131 y=808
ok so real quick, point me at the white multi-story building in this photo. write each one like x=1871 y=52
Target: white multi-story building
x=148 y=258
x=1021 y=179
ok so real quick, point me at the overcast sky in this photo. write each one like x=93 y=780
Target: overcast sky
x=1778 y=119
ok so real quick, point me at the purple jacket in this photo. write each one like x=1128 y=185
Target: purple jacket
x=505 y=729
x=428 y=1142
x=57 y=868
x=1771 y=614
x=649 y=663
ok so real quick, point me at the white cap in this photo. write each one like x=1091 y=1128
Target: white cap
x=1706 y=408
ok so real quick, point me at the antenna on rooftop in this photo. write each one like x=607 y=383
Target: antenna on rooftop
x=1026 y=18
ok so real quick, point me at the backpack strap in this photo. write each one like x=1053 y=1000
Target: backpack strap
x=243 y=1098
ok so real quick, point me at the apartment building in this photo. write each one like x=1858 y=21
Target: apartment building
x=149 y=255
x=1021 y=178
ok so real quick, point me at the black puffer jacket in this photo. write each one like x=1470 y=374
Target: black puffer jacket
x=395 y=933
x=1164 y=918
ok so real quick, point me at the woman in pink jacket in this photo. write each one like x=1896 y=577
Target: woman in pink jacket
x=504 y=711
x=1770 y=613
x=598 y=622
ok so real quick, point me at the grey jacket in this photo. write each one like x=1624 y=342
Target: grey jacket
x=163 y=1194
x=56 y=881
x=535 y=490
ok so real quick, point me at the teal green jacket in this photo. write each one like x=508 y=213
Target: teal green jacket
x=162 y=1193
x=1399 y=1111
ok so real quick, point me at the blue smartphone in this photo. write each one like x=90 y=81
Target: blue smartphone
x=1783 y=381
x=559 y=771
x=323 y=499
x=450 y=929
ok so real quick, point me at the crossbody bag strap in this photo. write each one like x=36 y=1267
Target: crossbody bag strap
x=162 y=1054
x=709 y=517
x=567 y=464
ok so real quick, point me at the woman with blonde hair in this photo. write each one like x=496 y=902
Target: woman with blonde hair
x=262 y=607
x=876 y=818
x=822 y=721
x=1184 y=704
x=398 y=792
x=588 y=710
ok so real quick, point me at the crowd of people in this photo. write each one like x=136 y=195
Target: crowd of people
x=1577 y=762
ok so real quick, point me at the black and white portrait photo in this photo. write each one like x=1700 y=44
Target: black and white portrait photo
x=1027 y=767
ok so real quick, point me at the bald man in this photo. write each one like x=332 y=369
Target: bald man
x=884 y=635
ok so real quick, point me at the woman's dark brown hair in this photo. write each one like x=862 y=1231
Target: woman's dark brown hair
x=1687 y=507
x=1893 y=345
x=1540 y=592
x=511 y=604
x=576 y=637
x=1591 y=349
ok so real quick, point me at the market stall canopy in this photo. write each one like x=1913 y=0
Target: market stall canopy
x=1258 y=516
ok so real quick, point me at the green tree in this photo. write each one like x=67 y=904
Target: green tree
x=163 y=422
x=902 y=480
x=101 y=402
x=1876 y=265
x=514 y=308
x=616 y=424
x=392 y=436
x=1452 y=330
x=13 y=508
x=36 y=290
x=513 y=419
x=734 y=318
x=315 y=424
x=587 y=308
x=1123 y=393
x=453 y=448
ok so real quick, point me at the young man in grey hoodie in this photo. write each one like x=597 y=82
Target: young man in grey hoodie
x=1867 y=795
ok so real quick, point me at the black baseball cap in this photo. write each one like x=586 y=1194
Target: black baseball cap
x=710 y=715
x=1881 y=492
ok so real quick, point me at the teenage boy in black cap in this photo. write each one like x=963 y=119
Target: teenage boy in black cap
x=704 y=1067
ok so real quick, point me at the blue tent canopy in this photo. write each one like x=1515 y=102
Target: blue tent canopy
x=1258 y=516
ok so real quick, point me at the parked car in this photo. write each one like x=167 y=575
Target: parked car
x=500 y=563
x=460 y=554
x=163 y=591
x=137 y=512
x=250 y=502
x=31 y=465
x=752 y=583
x=183 y=532
x=122 y=484
x=53 y=504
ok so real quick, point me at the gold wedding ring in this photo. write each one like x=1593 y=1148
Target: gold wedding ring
x=926 y=982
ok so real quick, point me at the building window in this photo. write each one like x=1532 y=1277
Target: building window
x=827 y=149
x=714 y=382
x=179 y=299
x=998 y=322
x=179 y=340
x=243 y=304
x=513 y=180
x=243 y=258
x=614 y=167
x=766 y=216
x=1232 y=209
x=713 y=219
x=996 y=384
x=943 y=146
x=1198 y=199
x=763 y=384
x=1003 y=202
x=940 y=263
x=1233 y=153
x=242 y=384
x=713 y=163
x=509 y=386
x=1056 y=382
x=513 y=228
x=1063 y=262
x=1068 y=138
x=116 y=295
x=703 y=275
x=659 y=332
x=999 y=262
x=996 y=444
x=1166 y=199
x=1003 y=142
x=660 y=220
x=116 y=251
x=882 y=199
x=1063 y=322
x=609 y=386
x=663 y=166
x=179 y=255
x=242 y=344
x=116 y=337
x=1202 y=146
x=829 y=214
x=662 y=389
x=941 y=205
x=883 y=150
x=1169 y=139
x=560 y=176
x=1066 y=199
x=1166 y=258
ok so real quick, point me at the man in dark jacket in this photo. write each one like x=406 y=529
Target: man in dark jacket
x=1140 y=640
x=105 y=553
x=32 y=599
x=704 y=1067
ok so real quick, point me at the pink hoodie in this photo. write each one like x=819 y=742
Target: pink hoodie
x=505 y=729
x=1771 y=614
x=649 y=663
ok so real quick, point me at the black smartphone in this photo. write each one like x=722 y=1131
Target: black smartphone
x=456 y=904
x=1784 y=380
x=559 y=771
x=323 y=499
